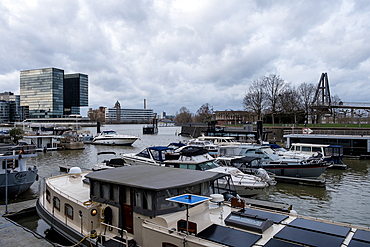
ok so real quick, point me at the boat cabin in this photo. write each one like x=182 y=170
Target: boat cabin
x=330 y=153
x=126 y=189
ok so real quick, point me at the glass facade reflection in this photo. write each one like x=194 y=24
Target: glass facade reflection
x=75 y=93
x=50 y=93
x=42 y=91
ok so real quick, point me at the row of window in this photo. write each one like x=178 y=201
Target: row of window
x=68 y=209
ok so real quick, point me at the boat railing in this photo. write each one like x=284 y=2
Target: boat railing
x=343 y=132
x=117 y=228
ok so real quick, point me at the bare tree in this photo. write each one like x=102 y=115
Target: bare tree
x=184 y=116
x=289 y=101
x=254 y=100
x=204 y=113
x=307 y=93
x=274 y=86
x=334 y=102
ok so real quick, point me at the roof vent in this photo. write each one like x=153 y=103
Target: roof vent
x=217 y=198
x=74 y=170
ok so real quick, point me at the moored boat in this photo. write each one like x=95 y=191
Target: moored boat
x=275 y=164
x=15 y=176
x=70 y=140
x=175 y=207
x=110 y=137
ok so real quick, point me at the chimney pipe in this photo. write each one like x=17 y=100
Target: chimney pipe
x=144 y=104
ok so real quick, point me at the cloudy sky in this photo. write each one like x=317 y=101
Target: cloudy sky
x=187 y=53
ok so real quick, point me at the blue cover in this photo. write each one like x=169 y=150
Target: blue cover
x=188 y=199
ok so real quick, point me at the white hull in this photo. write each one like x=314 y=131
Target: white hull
x=115 y=141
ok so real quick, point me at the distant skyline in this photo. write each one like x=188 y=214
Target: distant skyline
x=187 y=53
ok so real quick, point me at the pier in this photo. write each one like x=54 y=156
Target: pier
x=13 y=234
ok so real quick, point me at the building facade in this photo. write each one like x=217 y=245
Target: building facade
x=10 y=109
x=119 y=115
x=75 y=93
x=49 y=93
x=42 y=91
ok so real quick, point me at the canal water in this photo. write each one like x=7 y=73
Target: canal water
x=345 y=197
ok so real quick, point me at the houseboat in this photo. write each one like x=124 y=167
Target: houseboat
x=172 y=207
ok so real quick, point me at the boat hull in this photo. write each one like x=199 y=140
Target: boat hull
x=68 y=232
x=300 y=171
x=18 y=182
x=114 y=141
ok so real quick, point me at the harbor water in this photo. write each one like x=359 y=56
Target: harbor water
x=344 y=198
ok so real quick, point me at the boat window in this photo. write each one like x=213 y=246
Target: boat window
x=138 y=199
x=195 y=189
x=306 y=149
x=96 y=188
x=207 y=165
x=316 y=149
x=251 y=151
x=105 y=191
x=298 y=148
x=144 y=154
x=162 y=203
x=48 y=195
x=56 y=203
x=114 y=195
x=68 y=211
x=147 y=200
x=156 y=154
x=265 y=150
x=168 y=245
x=127 y=199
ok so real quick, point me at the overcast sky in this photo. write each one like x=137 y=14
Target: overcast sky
x=187 y=53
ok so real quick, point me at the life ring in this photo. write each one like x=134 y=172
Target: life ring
x=305 y=130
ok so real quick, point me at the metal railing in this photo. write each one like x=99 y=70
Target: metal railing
x=348 y=132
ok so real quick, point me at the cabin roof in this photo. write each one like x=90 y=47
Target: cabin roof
x=153 y=177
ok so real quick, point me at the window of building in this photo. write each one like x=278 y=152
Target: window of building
x=56 y=203
x=48 y=196
x=68 y=211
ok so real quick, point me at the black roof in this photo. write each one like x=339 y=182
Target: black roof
x=153 y=177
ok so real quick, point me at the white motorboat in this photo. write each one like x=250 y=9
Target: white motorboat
x=15 y=176
x=110 y=137
x=195 y=158
x=276 y=164
x=174 y=207
x=206 y=144
x=149 y=156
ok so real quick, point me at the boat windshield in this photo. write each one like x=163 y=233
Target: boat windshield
x=207 y=165
x=109 y=132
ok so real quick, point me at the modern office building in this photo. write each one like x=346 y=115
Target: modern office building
x=10 y=109
x=50 y=93
x=119 y=115
x=75 y=93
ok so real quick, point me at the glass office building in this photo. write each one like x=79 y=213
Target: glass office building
x=42 y=91
x=75 y=93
